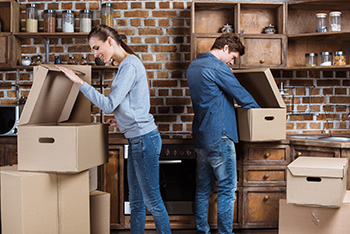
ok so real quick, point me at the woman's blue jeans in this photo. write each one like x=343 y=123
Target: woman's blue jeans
x=143 y=181
x=218 y=163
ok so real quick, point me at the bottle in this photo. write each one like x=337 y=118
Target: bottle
x=321 y=22
x=326 y=59
x=339 y=58
x=31 y=18
x=335 y=21
x=107 y=14
x=310 y=59
x=85 y=21
x=49 y=20
x=72 y=60
x=68 y=21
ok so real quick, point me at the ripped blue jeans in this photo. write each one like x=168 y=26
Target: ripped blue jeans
x=217 y=162
x=143 y=181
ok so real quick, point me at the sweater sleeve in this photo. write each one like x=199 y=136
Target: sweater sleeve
x=120 y=87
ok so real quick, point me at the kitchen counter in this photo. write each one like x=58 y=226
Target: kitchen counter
x=319 y=140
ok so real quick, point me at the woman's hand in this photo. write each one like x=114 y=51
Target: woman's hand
x=71 y=75
x=112 y=122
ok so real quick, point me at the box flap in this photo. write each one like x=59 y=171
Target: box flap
x=262 y=86
x=53 y=96
x=319 y=167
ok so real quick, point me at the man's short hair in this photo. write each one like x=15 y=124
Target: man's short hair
x=230 y=39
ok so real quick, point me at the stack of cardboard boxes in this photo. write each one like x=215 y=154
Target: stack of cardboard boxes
x=317 y=201
x=49 y=190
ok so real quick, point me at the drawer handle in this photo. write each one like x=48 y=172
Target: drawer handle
x=299 y=153
x=266 y=197
x=267 y=155
x=262 y=61
x=267 y=175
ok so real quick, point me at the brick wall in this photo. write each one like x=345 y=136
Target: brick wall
x=159 y=31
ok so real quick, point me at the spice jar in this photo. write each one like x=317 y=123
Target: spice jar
x=321 y=22
x=49 y=20
x=36 y=60
x=72 y=60
x=335 y=21
x=31 y=18
x=85 y=21
x=25 y=61
x=326 y=59
x=107 y=14
x=68 y=21
x=84 y=61
x=339 y=58
x=310 y=59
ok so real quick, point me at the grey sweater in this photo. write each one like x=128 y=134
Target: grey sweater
x=129 y=98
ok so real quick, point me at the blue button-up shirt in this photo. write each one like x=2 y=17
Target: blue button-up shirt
x=213 y=88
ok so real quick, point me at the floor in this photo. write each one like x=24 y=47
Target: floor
x=256 y=231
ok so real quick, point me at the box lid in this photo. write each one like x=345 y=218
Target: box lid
x=261 y=84
x=53 y=98
x=319 y=167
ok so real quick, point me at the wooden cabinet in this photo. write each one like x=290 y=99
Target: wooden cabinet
x=8 y=151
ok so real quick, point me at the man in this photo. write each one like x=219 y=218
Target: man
x=213 y=88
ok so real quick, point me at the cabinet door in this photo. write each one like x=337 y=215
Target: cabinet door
x=112 y=181
x=2 y=155
x=4 y=49
x=264 y=51
x=11 y=154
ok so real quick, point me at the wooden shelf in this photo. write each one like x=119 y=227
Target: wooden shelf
x=55 y=35
x=94 y=67
x=339 y=36
x=316 y=68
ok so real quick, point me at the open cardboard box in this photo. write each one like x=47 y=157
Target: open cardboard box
x=269 y=122
x=100 y=207
x=43 y=203
x=54 y=131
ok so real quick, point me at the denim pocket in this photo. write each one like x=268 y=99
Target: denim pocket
x=157 y=142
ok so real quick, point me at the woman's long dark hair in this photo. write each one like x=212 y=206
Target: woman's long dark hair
x=102 y=32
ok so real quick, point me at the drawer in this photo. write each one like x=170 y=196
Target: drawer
x=256 y=154
x=261 y=206
x=261 y=176
x=315 y=152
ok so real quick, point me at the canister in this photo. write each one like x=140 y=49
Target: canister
x=31 y=18
x=49 y=20
x=311 y=59
x=326 y=59
x=321 y=22
x=339 y=58
x=85 y=21
x=68 y=21
x=335 y=21
x=107 y=14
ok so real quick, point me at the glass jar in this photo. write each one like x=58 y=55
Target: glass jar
x=335 y=21
x=326 y=59
x=58 y=59
x=49 y=20
x=321 y=22
x=72 y=60
x=310 y=59
x=339 y=58
x=85 y=21
x=26 y=61
x=36 y=60
x=68 y=21
x=31 y=18
x=107 y=14
x=84 y=61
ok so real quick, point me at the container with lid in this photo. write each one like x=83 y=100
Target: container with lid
x=85 y=21
x=311 y=59
x=339 y=58
x=31 y=18
x=326 y=59
x=68 y=21
x=321 y=22
x=107 y=14
x=72 y=60
x=49 y=20
x=335 y=21
x=26 y=61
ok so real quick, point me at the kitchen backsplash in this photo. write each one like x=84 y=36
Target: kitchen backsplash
x=159 y=31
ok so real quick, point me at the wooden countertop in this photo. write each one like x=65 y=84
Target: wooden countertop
x=313 y=140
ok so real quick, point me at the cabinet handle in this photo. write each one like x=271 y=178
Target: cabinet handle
x=266 y=197
x=267 y=175
x=299 y=153
x=267 y=155
x=262 y=61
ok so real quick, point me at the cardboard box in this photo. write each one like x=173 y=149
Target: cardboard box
x=93 y=179
x=54 y=132
x=42 y=203
x=100 y=203
x=314 y=220
x=317 y=181
x=269 y=122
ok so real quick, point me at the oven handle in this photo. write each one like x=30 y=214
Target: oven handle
x=170 y=161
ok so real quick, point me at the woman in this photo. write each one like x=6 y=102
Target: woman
x=130 y=104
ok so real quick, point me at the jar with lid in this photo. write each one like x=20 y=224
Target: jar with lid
x=335 y=21
x=339 y=58
x=85 y=21
x=321 y=22
x=72 y=60
x=31 y=18
x=36 y=60
x=107 y=14
x=26 y=61
x=50 y=20
x=311 y=59
x=68 y=21
x=84 y=61
x=326 y=59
